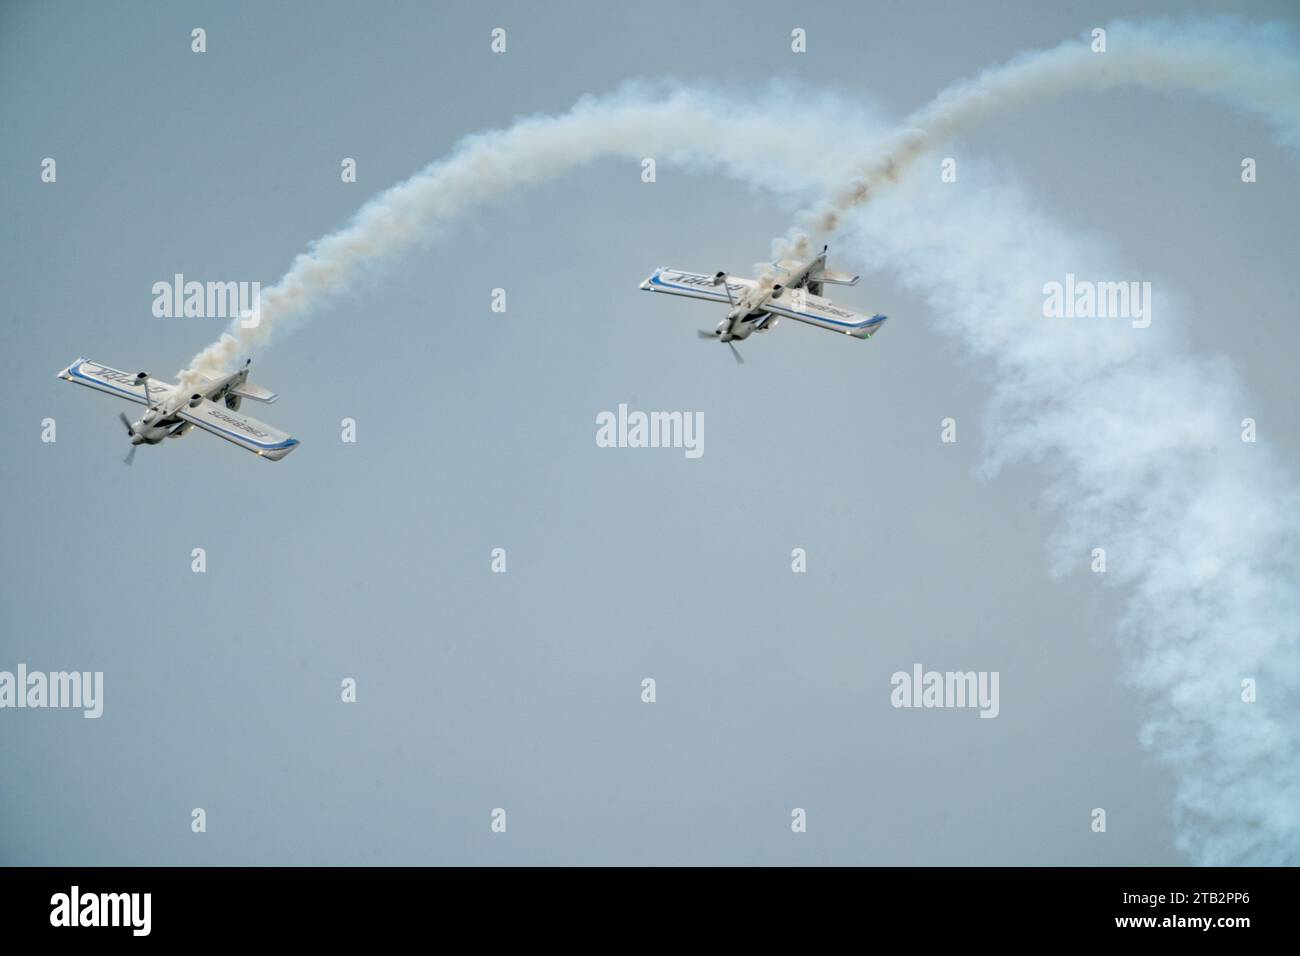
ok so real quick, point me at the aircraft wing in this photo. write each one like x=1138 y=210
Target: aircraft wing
x=245 y=432
x=696 y=285
x=114 y=381
x=803 y=306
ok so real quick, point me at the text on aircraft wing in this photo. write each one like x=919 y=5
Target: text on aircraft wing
x=803 y=306
x=114 y=381
x=696 y=285
x=246 y=432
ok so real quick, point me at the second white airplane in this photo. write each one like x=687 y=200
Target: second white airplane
x=171 y=411
x=791 y=288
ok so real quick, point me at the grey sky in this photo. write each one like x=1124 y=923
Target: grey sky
x=476 y=431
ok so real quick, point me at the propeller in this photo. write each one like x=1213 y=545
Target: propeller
x=130 y=455
x=721 y=279
x=715 y=336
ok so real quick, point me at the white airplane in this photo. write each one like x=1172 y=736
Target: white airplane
x=792 y=287
x=212 y=404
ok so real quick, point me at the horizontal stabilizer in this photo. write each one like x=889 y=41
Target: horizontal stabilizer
x=834 y=278
x=256 y=392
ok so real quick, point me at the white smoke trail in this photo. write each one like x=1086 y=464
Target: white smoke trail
x=681 y=126
x=1206 y=530
x=1140 y=440
x=1250 y=67
x=1140 y=437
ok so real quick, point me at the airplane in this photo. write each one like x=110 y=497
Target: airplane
x=791 y=288
x=212 y=404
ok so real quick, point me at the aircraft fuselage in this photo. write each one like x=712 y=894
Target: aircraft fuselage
x=162 y=420
x=748 y=316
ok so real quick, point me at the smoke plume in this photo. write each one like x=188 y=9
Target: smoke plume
x=1250 y=67
x=1200 y=527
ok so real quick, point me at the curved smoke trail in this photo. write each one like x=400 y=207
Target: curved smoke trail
x=1201 y=526
x=1140 y=441
x=683 y=126
x=1249 y=67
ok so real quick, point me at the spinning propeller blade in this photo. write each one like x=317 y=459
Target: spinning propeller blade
x=130 y=455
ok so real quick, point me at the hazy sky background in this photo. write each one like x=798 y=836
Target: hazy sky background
x=476 y=431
